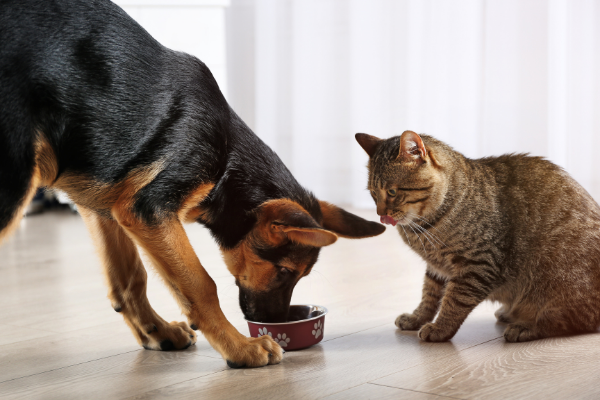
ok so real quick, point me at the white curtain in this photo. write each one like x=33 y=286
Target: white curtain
x=488 y=77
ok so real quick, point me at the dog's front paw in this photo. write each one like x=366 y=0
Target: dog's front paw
x=431 y=332
x=255 y=352
x=173 y=336
x=408 y=322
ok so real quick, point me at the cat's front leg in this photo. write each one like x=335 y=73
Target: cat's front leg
x=461 y=296
x=433 y=289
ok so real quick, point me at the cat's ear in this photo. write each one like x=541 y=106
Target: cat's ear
x=412 y=147
x=283 y=219
x=368 y=143
x=348 y=225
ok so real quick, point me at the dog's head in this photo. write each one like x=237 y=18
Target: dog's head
x=282 y=248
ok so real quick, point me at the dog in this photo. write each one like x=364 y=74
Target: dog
x=142 y=140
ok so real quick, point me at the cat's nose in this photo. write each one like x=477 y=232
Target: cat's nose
x=381 y=211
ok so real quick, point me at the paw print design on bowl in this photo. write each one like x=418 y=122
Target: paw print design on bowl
x=282 y=340
x=305 y=328
x=318 y=329
x=263 y=331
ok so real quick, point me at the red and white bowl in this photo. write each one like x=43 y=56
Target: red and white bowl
x=305 y=328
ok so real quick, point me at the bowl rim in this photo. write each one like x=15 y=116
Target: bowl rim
x=325 y=311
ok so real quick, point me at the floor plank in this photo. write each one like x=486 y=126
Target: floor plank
x=112 y=377
x=557 y=368
x=14 y=334
x=370 y=391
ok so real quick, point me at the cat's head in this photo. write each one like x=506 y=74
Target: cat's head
x=406 y=178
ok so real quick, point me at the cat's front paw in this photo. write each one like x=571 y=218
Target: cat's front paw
x=408 y=322
x=431 y=332
x=519 y=332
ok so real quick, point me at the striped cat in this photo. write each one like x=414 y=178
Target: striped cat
x=513 y=229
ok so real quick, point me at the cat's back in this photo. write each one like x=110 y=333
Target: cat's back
x=536 y=191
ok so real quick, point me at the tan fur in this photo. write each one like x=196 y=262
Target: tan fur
x=251 y=271
x=190 y=211
x=513 y=229
x=126 y=279
x=271 y=226
x=94 y=195
x=45 y=161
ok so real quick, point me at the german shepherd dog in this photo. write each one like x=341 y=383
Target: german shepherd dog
x=142 y=140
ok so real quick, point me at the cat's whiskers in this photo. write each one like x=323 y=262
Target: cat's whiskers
x=424 y=232
x=427 y=231
x=442 y=231
x=419 y=237
x=405 y=234
x=429 y=234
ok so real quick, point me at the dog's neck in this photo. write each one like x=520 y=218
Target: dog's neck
x=252 y=175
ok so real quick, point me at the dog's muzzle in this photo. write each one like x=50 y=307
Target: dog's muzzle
x=268 y=306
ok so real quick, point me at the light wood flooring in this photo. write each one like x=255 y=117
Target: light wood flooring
x=60 y=339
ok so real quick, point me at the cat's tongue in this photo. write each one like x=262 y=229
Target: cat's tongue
x=386 y=219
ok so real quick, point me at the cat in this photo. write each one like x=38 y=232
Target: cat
x=513 y=229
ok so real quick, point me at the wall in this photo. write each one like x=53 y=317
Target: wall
x=488 y=77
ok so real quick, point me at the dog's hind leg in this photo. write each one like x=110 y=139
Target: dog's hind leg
x=25 y=165
x=127 y=287
x=13 y=201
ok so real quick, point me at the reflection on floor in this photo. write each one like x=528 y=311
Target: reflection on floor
x=59 y=337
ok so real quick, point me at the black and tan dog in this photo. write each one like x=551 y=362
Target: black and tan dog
x=142 y=140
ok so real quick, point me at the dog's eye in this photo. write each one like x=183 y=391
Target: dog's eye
x=283 y=271
x=391 y=192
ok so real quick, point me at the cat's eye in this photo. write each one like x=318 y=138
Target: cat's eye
x=391 y=192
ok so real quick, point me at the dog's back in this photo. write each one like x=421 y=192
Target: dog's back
x=83 y=84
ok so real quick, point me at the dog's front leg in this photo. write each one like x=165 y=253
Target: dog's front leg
x=167 y=244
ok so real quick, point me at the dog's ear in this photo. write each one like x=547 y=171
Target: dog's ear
x=283 y=219
x=348 y=225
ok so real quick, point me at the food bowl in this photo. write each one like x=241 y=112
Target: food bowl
x=305 y=327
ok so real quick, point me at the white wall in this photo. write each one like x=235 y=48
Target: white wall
x=196 y=27
x=488 y=77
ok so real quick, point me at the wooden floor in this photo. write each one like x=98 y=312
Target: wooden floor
x=60 y=339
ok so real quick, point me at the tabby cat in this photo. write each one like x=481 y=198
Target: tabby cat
x=513 y=229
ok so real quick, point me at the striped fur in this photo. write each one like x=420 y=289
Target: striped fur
x=513 y=229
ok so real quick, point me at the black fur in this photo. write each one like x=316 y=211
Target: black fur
x=231 y=364
x=110 y=98
x=167 y=345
